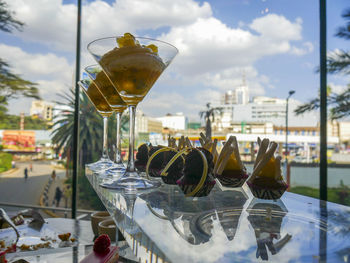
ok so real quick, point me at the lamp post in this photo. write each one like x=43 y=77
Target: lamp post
x=287 y=171
x=290 y=93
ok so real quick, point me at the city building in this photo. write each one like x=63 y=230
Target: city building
x=261 y=110
x=239 y=95
x=145 y=124
x=174 y=122
x=42 y=109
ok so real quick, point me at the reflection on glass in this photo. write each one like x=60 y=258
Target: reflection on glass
x=105 y=110
x=266 y=219
x=182 y=213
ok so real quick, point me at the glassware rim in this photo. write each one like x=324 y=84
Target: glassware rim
x=115 y=37
x=92 y=65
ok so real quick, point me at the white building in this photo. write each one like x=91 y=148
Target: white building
x=42 y=109
x=145 y=124
x=175 y=122
x=262 y=110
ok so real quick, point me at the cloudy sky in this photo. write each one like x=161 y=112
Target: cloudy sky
x=273 y=42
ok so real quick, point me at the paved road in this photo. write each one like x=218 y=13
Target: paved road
x=15 y=189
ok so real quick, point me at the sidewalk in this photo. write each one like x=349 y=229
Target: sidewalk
x=12 y=170
x=48 y=196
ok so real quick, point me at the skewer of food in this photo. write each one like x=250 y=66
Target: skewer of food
x=266 y=181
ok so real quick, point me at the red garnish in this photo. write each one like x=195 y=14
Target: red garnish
x=102 y=243
x=11 y=248
x=2 y=257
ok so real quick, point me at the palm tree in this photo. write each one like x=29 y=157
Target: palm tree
x=90 y=126
x=90 y=139
x=209 y=115
x=12 y=85
x=337 y=62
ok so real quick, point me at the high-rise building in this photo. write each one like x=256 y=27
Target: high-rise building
x=239 y=95
x=42 y=109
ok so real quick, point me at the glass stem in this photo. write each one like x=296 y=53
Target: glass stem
x=118 y=156
x=105 y=136
x=131 y=162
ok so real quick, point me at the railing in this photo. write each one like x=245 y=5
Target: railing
x=83 y=212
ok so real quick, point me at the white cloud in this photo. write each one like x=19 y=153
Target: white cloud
x=212 y=55
x=53 y=23
x=52 y=73
x=337 y=88
x=34 y=66
x=308 y=47
x=275 y=27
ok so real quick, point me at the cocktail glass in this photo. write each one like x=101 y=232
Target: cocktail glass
x=111 y=95
x=133 y=65
x=105 y=111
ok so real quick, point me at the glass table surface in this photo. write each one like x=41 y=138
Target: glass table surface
x=228 y=225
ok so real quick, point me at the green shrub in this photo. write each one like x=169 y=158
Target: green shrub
x=5 y=161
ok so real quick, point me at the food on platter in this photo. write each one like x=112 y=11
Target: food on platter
x=64 y=237
x=266 y=181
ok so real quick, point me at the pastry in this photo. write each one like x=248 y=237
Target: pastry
x=197 y=180
x=142 y=157
x=266 y=181
x=159 y=165
x=229 y=169
x=102 y=252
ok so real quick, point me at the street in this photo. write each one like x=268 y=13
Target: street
x=15 y=189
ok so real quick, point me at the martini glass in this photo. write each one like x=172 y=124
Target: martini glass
x=133 y=66
x=105 y=111
x=118 y=106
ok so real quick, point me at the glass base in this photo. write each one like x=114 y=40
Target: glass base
x=118 y=169
x=102 y=164
x=115 y=172
x=131 y=182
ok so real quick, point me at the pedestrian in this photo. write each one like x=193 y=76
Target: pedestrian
x=25 y=173
x=31 y=167
x=13 y=164
x=53 y=175
x=67 y=194
x=58 y=195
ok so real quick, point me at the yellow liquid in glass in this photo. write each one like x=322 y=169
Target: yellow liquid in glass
x=98 y=100
x=109 y=92
x=133 y=70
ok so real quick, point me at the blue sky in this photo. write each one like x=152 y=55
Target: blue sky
x=274 y=42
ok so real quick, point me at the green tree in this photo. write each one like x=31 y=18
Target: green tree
x=209 y=115
x=90 y=126
x=338 y=62
x=12 y=85
x=12 y=122
x=90 y=139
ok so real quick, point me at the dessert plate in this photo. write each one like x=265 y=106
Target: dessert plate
x=46 y=240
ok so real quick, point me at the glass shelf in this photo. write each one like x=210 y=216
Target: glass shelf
x=228 y=225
